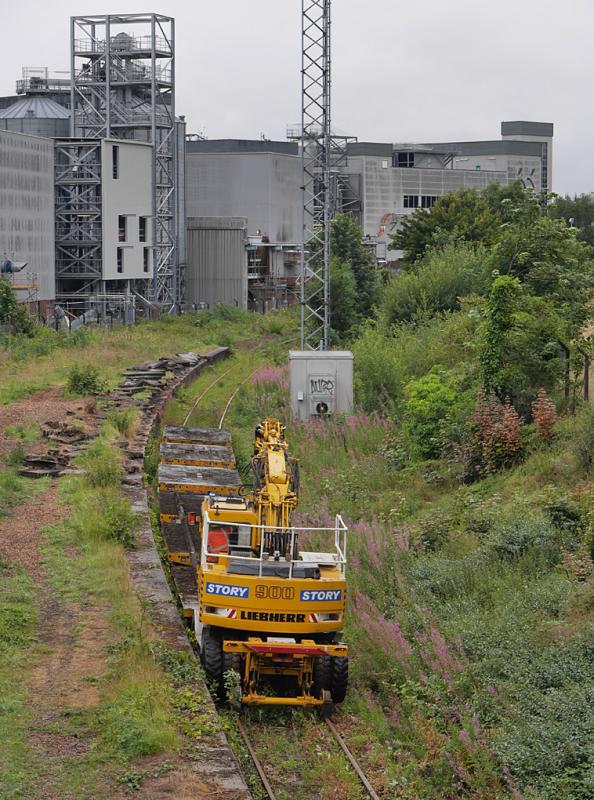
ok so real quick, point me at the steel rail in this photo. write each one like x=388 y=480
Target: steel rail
x=232 y=398
x=200 y=396
x=342 y=744
x=256 y=761
x=354 y=763
x=244 y=735
x=222 y=375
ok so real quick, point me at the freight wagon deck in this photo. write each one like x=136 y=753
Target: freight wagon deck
x=195 y=462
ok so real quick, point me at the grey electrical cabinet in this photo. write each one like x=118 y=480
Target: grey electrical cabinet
x=321 y=382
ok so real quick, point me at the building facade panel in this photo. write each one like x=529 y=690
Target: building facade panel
x=217 y=268
x=27 y=211
x=262 y=186
x=126 y=192
x=399 y=191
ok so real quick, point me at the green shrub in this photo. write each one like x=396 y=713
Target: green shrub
x=565 y=515
x=103 y=514
x=513 y=538
x=437 y=284
x=386 y=359
x=16 y=456
x=13 y=314
x=85 y=379
x=121 y=524
x=545 y=744
x=434 y=403
x=11 y=490
x=102 y=464
x=134 y=725
x=582 y=441
x=123 y=420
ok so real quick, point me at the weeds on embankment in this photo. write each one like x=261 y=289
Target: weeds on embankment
x=468 y=607
x=147 y=702
x=45 y=359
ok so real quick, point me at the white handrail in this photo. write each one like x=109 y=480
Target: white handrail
x=340 y=539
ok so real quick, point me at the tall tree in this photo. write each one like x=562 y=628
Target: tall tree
x=347 y=246
x=578 y=212
x=465 y=216
x=343 y=299
x=550 y=261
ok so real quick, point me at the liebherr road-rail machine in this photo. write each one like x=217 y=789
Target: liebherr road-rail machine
x=266 y=606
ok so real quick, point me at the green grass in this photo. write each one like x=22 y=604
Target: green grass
x=86 y=564
x=151 y=700
x=464 y=621
x=46 y=360
x=14 y=489
x=18 y=617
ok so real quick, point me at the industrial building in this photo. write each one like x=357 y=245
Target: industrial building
x=395 y=179
x=259 y=180
x=217 y=269
x=115 y=244
x=127 y=179
x=123 y=87
x=378 y=183
x=27 y=218
x=103 y=219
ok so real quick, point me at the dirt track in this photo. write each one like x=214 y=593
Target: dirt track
x=41 y=407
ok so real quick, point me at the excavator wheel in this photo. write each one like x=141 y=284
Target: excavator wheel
x=211 y=655
x=340 y=678
x=322 y=675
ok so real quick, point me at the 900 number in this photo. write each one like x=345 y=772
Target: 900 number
x=275 y=592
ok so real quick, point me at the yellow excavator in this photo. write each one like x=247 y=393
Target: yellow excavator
x=270 y=608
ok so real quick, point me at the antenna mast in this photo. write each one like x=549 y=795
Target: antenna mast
x=316 y=154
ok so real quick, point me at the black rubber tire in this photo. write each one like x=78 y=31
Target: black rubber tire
x=211 y=655
x=340 y=678
x=322 y=674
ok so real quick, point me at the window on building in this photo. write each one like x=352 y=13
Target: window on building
x=146 y=259
x=404 y=159
x=428 y=200
x=115 y=161
x=411 y=201
x=122 y=219
x=120 y=259
x=142 y=229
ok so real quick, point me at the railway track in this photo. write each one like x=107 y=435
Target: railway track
x=245 y=736
x=370 y=791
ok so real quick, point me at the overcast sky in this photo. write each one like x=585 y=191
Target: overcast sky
x=434 y=70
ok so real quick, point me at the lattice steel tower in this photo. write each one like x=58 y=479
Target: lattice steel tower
x=123 y=87
x=322 y=154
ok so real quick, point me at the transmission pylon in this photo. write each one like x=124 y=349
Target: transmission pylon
x=316 y=147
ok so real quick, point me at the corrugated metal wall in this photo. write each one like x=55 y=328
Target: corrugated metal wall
x=50 y=128
x=27 y=206
x=217 y=261
x=264 y=187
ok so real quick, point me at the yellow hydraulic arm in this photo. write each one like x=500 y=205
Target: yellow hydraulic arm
x=276 y=485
